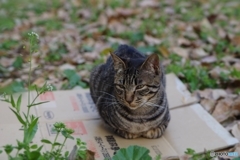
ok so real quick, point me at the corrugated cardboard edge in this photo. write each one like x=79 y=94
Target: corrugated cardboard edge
x=216 y=126
x=173 y=84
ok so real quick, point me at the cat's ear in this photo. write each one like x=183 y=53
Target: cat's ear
x=118 y=62
x=152 y=64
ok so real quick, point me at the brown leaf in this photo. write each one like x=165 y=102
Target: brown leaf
x=208 y=105
x=212 y=17
x=125 y=12
x=217 y=71
x=222 y=110
x=218 y=93
x=85 y=13
x=164 y=51
x=181 y=52
x=90 y=56
x=39 y=82
x=206 y=24
x=228 y=125
x=152 y=40
x=117 y=40
x=209 y=59
x=116 y=26
x=6 y=62
x=66 y=66
x=198 y=53
x=236 y=131
x=103 y=19
x=149 y=3
x=183 y=42
x=206 y=93
x=236 y=106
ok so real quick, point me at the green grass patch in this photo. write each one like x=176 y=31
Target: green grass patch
x=8 y=44
x=6 y=23
x=39 y=7
x=50 y=24
x=14 y=87
x=56 y=54
x=73 y=79
x=133 y=37
x=196 y=77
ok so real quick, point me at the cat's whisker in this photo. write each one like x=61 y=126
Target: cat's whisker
x=107 y=93
x=152 y=104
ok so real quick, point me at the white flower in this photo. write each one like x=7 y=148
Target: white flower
x=34 y=34
x=49 y=87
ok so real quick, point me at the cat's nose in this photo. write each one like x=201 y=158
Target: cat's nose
x=129 y=98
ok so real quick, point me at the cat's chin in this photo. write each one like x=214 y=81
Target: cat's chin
x=132 y=107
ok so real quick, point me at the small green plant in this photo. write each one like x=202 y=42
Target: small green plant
x=73 y=79
x=81 y=153
x=194 y=156
x=56 y=147
x=134 y=152
x=191 y=75
x=25 y=149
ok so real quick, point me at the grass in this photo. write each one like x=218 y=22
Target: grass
x=8 y=44
x=50 y=24
x=154 y=24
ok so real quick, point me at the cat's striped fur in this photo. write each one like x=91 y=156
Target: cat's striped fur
x=129 y=92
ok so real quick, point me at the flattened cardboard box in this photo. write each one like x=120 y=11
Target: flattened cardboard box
x=77 y=104
x=190 y=126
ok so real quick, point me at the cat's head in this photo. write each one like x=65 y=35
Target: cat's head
x=136 y=81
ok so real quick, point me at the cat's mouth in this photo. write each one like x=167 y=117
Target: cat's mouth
x=132 y=106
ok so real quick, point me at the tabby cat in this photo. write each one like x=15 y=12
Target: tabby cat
x=129 y=92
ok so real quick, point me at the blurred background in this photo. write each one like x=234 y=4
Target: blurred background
x=197 y=40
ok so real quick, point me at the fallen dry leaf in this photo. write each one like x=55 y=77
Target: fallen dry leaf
x=149 y=3
x=125 y=12
x=218 y=93
x=66 y=66
x=198 y=53
x=181 y=52
x=228 y=125
x=236 y=106
x=217 y=71
x=236 y=131
x=209 y=59
x=39 y=81
x=90 y=56
x=222 y=110
x=206 y=93
x=6 y=62
x=236 y=40
x=152 y=40
x=164 y=51
x=183 y=42
x=206 y=24
x=208 y=104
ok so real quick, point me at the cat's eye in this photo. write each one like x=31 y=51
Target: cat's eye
x=119 y=86
x=140 y=86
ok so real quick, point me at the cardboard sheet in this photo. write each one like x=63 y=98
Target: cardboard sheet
x=190 y=126
x=75 y=104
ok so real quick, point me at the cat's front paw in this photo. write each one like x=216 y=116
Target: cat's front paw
x=126 y=135
x=154 y=133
